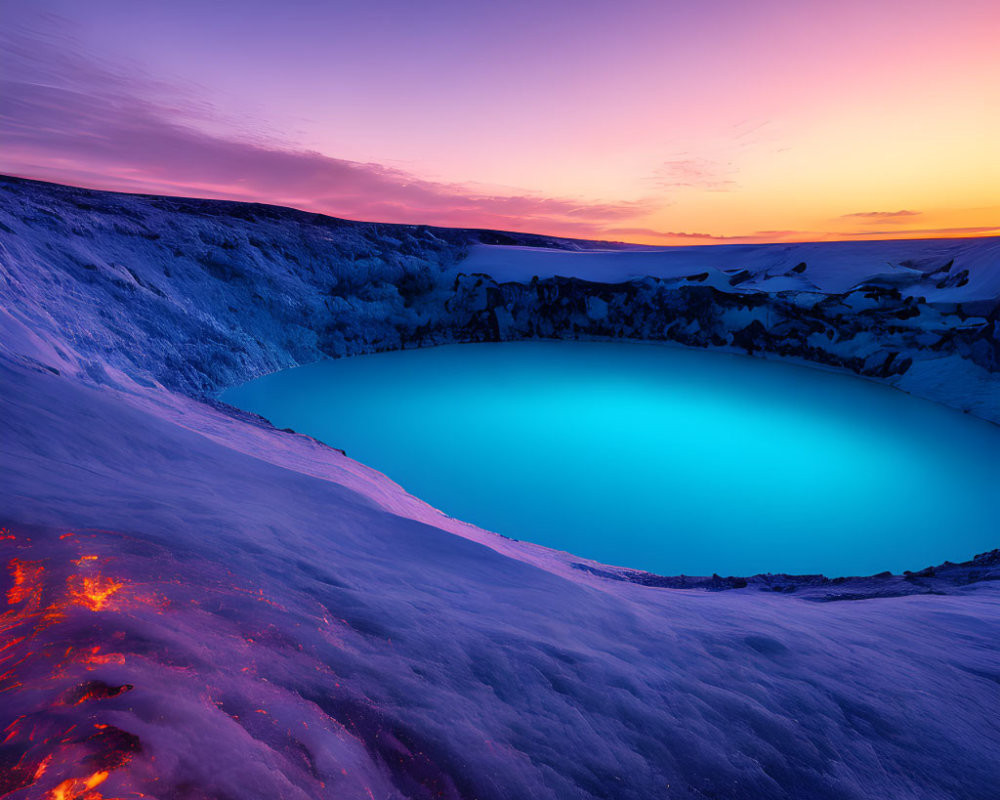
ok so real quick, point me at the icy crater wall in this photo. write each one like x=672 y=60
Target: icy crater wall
x=198 y=295
x=944 y=351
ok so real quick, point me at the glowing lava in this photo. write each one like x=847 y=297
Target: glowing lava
x=43 y=594
x=27 y=580
x=79 y=788
x=93 y=592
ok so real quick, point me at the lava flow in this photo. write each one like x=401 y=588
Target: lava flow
x=93 y=591
x=50 y=754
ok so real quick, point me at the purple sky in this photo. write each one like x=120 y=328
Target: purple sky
x=640 y=120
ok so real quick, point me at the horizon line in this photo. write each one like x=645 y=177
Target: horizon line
x=716 y=241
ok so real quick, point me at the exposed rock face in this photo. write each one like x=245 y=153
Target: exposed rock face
x=871 y=330
x=942 y=579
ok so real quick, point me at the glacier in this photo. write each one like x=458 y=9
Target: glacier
x=200 y=605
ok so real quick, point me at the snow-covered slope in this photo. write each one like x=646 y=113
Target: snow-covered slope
x=201 y=606
x=831 y=267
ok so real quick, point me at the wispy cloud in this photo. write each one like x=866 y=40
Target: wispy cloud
x=713 y=164
x=756 y=236
x=699 y=173
x=977 y=230
x=883 y=216
x=67 y=118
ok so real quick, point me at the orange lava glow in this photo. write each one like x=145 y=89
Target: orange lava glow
x=94 y=592
x=27 y=580
x=79 y=788
x=42 y=594
x=43 y=766
x=94 y=656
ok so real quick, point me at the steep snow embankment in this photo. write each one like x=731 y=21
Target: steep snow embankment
x=200 y=606
x=200 y=294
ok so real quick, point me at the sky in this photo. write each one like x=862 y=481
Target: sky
x=648 y=121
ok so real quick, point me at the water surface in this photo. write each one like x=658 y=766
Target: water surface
x=671 y=460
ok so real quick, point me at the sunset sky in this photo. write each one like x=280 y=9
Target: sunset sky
x=640 y=120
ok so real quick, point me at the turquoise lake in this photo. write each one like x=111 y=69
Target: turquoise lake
x=664 y=459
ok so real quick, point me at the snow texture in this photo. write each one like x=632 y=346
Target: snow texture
x=202 y=606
